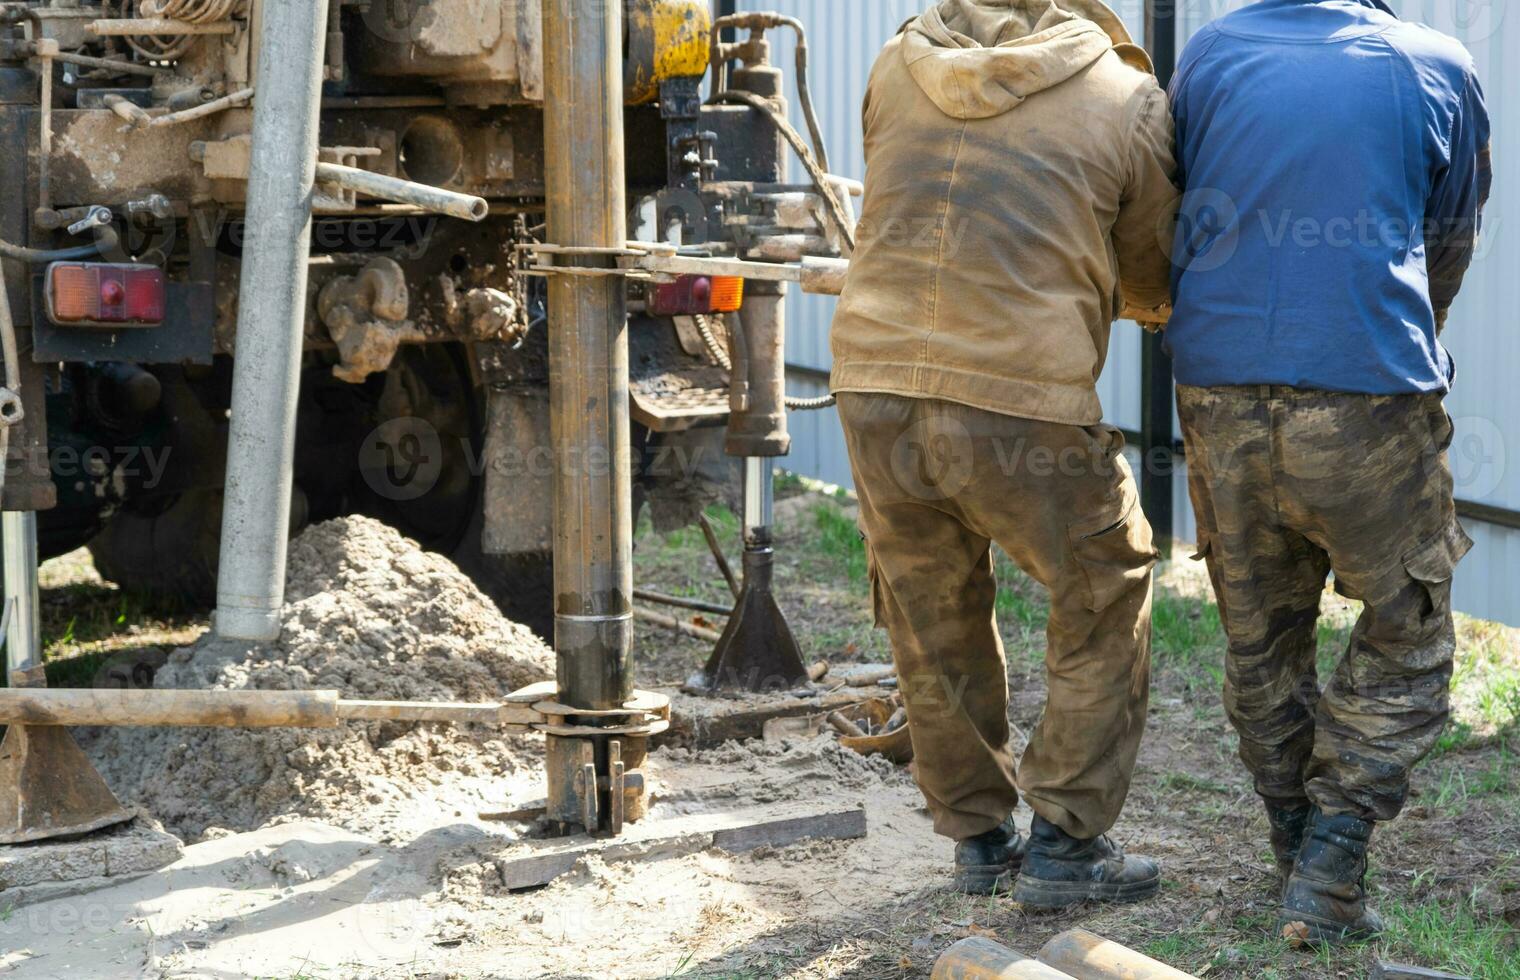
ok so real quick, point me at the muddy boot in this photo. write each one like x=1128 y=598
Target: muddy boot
x=985 y=864
x=1325 y=901
x=1060 y=870
x=1288 y=826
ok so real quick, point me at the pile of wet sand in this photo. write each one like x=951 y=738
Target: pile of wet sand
x=370 y=614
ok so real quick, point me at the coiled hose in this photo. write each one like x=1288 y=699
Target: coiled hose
x=710 y=341
x=157 y=48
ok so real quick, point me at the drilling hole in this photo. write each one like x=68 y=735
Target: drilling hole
x=431 y=152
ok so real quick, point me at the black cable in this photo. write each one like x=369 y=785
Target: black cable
x=819 y=177
x=105 y=240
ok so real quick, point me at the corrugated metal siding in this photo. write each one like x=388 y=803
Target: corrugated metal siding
x=844 y=37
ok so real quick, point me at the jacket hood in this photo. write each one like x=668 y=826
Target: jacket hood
x=981 y=58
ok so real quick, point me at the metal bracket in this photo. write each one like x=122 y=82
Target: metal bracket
x=643 y=260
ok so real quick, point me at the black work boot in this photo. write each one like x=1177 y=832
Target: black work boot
x=1060 y=870
x=1325 y=901
x=985 y=864
x=1288 y=827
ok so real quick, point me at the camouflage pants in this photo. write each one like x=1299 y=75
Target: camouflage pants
x=938 y=483
x=1288 y=486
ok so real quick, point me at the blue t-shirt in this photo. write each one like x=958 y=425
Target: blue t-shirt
x=1330 y=155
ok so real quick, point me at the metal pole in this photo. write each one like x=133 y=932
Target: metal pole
x=759 y=479
x=588 y=406
x=18 y=553
x=1157 y=460
x=271 y=320
x=588 y=354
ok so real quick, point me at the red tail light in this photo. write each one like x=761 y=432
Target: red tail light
x=689 y=295
x=103 y=294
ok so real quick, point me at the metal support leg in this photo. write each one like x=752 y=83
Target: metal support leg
x=588 y=396
x=48 y=788
x=271 y=321
x=757 y=651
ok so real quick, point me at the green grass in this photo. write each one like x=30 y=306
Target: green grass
x=839 y=542
x=1187 y=782
x=1447 y=936
x=1451 y=936
x=1188 y=640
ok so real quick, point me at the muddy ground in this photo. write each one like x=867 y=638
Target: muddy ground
x=304 y=899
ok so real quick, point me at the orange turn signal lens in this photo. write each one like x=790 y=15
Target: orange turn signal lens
x=105 y=294
x=727 y=293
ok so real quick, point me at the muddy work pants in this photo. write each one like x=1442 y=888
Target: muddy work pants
x=938 y=484
x=1288 y=486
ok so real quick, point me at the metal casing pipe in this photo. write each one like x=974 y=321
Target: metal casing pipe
x=434 y=200
x=588 y=354
x=271 y=320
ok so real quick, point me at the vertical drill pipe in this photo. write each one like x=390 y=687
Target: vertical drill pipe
x=18 y=545
x=588 y=354
x=271 y=320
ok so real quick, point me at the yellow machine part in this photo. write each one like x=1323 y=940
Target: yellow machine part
x=666 y=39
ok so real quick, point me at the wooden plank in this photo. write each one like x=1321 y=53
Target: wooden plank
x=836 y=825
x=1399 y=971
x=536 y=863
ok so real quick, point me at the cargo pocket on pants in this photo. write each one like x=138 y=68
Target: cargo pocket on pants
x=1434 y=562
x=1113 y=555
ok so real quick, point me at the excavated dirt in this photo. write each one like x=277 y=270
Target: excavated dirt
x=372 y=616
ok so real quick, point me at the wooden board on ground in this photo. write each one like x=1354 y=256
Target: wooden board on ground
x=535 y=863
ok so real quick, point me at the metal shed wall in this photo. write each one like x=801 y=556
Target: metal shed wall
x=844 y=38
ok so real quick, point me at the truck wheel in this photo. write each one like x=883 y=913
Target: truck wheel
x=168 y=551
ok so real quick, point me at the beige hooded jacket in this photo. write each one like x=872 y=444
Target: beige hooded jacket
x=1019 y=189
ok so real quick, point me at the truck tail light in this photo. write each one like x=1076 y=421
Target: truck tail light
x=690 y=295
x=105 y=294
x=727 y=294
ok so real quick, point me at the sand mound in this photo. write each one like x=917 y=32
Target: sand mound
x=373 y=616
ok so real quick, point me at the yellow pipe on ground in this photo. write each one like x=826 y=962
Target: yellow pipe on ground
x=982 y=959
x=1086 y=956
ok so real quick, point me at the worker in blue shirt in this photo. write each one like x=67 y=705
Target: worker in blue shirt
x=1335 y=165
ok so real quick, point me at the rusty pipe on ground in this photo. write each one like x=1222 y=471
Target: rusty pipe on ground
x=70 y=708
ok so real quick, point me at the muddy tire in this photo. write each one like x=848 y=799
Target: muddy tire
x=168 y=552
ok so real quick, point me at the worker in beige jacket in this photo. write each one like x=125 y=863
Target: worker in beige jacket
x=1019 y=184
